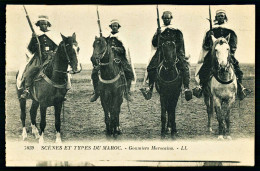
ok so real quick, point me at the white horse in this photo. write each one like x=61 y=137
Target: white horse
x=222 y=87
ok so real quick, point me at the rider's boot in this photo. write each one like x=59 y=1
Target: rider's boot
x=96 y=92
x=148 y=92
x=25 y=93
x=242 y=92
x=128 y=96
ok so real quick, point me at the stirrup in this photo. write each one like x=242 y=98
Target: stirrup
x=25 y=94
x=188 y=94
x=197 y=91
x=147 y=93
x=243 y=93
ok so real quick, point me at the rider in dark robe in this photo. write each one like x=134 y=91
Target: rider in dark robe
x=116 y=43
x=48 y=47
x=204 y=68
x=168 y=33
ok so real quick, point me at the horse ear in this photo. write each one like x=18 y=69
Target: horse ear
x=63 y=37
x=213 y=38
x=228 y=38
x=74 y=36
x=96 y=37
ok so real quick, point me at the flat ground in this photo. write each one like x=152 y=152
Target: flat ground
x=85 y=121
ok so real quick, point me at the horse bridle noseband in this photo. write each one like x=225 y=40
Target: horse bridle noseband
x=160 y=68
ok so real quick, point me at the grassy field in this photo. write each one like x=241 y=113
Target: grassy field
x=85 y=121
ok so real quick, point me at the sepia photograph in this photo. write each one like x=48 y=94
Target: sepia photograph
x=130 y=85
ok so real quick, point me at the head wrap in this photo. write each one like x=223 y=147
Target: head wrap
x=220 y=11
x=166 y=12
x=114 y=21
x=43 y=18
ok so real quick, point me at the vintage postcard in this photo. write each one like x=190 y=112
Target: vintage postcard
x=130 y=85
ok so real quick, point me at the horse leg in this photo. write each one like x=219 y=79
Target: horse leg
x=220 y=118
x=209 y=104
x=171 y=111
x=107 y=118
x=43 y=123
x=118 y=130
x=23 y=116
x=163 y=116
x=227 y=118
x=33 y=113
x=168 y=128
x=57 y=108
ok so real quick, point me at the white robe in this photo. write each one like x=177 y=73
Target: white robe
x=122 y=39
x=204 y=52
x=54 y=36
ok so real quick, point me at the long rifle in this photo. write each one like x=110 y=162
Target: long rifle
x=99 y=25
x=210 y=20
x=158 y=31
x=37 y=39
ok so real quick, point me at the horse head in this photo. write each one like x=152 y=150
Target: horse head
x=221 y=51
x=169 y=54
x=71 y=50
x=100 y=48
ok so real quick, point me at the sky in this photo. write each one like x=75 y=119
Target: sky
x=139 y=23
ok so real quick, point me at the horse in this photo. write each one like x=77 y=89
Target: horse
x=49 y=88
x=168 y=85
x=221 y=89
x=111 y=84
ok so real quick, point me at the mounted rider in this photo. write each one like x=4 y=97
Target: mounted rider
x=168 y=33
x=204 y=68
x=49 y=42
x=118 y=45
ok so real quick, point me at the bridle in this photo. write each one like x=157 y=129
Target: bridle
x=63 y=45
x=161 y=65
x=116 y=60
x=219 y=69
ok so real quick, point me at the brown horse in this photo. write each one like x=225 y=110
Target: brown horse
x=168 y=85
x=111 y=84
x=222 y=87
x=49 y=88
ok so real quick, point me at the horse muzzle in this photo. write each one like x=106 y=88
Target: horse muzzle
x=77 y=70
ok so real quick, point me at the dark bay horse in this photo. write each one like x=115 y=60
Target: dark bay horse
x=221 y=90
x=168 y=85
x=49 y=88
x=111 y=83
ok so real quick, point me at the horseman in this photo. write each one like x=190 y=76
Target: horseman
x=49 y=41
x=168 y=33
x=204 y=68
x=118 y=45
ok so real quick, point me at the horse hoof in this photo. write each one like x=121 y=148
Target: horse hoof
x=220 y=137
x=168 y=130
x=210 y=130
x=58 y=138
x=229 y=138
x=41 y=140
x=24 y=134
x=35 y=132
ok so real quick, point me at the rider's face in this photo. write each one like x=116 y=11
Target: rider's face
x=220 y=18
x=167 y=19
x=114 y=27
x=43 y=26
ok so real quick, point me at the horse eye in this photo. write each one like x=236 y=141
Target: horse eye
x=78 y=49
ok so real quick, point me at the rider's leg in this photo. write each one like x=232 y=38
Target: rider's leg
x=129 y=75
x=147 y=93
x=185 y=70
x=95 y=80
x=29 y=75
x=242 y=92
